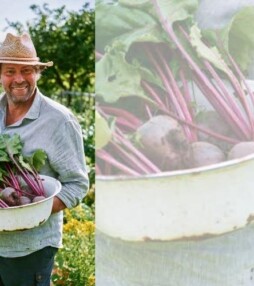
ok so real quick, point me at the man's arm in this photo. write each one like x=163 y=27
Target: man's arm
x=68 y=161
x=58 y=205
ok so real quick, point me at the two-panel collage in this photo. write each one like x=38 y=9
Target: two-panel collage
x=127 y=143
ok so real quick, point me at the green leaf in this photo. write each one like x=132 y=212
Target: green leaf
x=211 y=54
x=13 y=144
x=241 y=37
x=2 y=173
x=24 y=164
x=211 y=36
x=236 y=37
x=151 y=34
x=117 y=78
x=113 y=21
x=151 y=77
x=4 y=156
x=135 y=3
x=103 y=133
x=175 y=10
x=37 y=159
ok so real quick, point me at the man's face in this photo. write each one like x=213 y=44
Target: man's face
x=18 y=81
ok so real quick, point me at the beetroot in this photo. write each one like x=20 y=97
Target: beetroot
x=163 y=141
x=211 y=120
x=241 y=149
x=24 y=200
x=10 y=197
x=38 y=199
x=204 y=153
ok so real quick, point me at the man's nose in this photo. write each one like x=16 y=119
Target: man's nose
x=19 y=78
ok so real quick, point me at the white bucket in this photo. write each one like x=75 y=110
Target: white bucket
x=199 y=202
x=185 y=228
x=30 y=215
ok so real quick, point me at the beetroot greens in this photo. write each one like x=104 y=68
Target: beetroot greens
x=147 y=67
x=17 y=171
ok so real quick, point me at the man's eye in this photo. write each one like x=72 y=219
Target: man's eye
x=27 y=71
x=9 y=72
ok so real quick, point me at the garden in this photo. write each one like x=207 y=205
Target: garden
x=75 y=262
x=71 y=82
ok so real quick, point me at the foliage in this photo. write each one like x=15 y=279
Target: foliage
x=237 y=36
x=86 y=121
x=85 y=115
x=66 y=38
x=75 y=263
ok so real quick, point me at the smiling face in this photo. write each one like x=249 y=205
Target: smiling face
x=19 y=82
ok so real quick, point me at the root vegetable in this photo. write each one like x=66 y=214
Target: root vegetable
x=241 y=149
x=38 y=199
x=204 y=153
x=163 y=141
x=24 y=200
x=211 y=120
x=10 y=197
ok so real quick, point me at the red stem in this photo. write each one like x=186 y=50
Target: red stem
x=210 y=90
x=193 y=125
x=108 y=158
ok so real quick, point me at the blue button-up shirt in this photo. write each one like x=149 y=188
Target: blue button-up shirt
x=53 y=128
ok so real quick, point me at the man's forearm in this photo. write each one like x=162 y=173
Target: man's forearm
x=58 y=205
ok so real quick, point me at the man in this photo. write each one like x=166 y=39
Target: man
x=27 y=257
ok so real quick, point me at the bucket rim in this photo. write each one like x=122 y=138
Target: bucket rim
x=184 y=172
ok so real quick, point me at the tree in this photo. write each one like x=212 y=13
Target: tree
x=66 y=38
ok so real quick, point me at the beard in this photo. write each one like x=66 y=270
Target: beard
x=20 y=93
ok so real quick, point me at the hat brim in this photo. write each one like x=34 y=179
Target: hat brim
x=29 y=63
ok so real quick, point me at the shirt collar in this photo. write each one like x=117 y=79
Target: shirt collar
x=33 y=112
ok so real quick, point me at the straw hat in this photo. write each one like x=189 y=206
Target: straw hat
x=20 y=50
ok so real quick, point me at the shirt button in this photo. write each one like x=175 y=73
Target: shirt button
x=39 y=277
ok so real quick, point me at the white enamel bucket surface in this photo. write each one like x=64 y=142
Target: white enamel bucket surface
x=199 y=202
x=30 y=215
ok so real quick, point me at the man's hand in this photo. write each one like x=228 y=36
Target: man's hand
x=58 y=205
